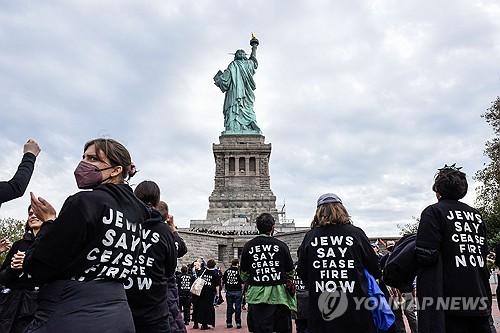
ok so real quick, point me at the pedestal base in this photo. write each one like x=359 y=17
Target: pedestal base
x=242 y=183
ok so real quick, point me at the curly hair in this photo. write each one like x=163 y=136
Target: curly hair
x=450 y=183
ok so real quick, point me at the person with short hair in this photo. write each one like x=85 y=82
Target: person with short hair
x=332 y=260
x=16 y=187
x=169 y=219
x=85 y=254
x=19 y=299
x=184 y=283
x=232 y=283
x=451 y=250
x=147 y=287
x=267 y=266
x=176 y=321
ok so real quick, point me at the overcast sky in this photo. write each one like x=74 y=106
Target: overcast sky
x=362 y=98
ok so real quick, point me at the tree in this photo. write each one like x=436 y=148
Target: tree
x=12 y=229
x=410 y=227
x=488 y=193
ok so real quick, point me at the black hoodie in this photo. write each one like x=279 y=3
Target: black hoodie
x=147 y=285
x=12 y=278
x=97 y=236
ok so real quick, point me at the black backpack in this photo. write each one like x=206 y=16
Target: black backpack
x=401 y=267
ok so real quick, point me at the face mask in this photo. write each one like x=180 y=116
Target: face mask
x=88 y=175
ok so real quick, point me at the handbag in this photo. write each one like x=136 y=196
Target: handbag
x=382 y=314
x=198 y=285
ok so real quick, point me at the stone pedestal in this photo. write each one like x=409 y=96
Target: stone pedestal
x=242 y=187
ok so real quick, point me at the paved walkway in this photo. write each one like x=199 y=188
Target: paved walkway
x=220 y=320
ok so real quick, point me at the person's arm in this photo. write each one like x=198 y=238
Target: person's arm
x=254 y=42
x=485 y=249
x=240 y=281
x=180 y=245
x=429 y=238
x=16 y=187
x=224 y=278
x=171 y=252
x=223 y=80
x=53 y=251
x=217 y=283
x=244 y=264
x=289 y=266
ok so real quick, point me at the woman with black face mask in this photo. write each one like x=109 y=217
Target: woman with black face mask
x=84 y=256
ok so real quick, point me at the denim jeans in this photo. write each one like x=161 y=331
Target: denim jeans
x=233 y=299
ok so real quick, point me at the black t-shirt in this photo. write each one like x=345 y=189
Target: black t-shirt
x=13 y=278
x=212 y=279
x=333 y=258
x=16 y=187
x=184 y=283
x=299 y=284
x=97 y=236
x=457 y=232
x=231 y=279
x=267 y=260
x=146 y=286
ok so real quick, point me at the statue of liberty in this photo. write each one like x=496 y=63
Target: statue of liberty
x=238 y=84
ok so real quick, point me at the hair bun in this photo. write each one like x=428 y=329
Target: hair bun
x=131 y=170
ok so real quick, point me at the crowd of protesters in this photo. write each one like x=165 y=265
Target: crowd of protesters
x=107 y=262
x=225 y=232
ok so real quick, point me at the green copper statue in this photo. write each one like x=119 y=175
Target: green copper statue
x=238 y=84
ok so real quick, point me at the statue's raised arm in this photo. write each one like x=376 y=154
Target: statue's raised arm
x=254 y=42
x=238 y=84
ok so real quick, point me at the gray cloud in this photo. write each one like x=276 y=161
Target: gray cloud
x=366 y=99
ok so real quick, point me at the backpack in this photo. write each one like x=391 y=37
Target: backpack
x=401 y=267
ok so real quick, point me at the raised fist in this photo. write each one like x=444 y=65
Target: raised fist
x=31 y=147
